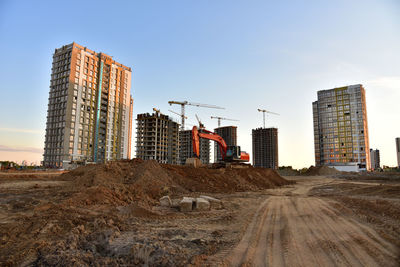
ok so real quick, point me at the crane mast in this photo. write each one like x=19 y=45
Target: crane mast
x=184 y=103
x=266 y=111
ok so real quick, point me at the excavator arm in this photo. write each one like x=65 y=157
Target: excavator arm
x=229 y=154
x=196 y=135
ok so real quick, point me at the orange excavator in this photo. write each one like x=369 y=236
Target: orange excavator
x=229 y=153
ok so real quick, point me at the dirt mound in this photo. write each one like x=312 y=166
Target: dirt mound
x=144 y=182
x=288 y=172
x=322 y=170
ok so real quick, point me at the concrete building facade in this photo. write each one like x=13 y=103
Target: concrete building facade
x=186 y=147
x=265 y=148
x=341 y=127
x=157 y=138
x=375 y=159
x=398 y=151
x=229 y=134
x=89 y=113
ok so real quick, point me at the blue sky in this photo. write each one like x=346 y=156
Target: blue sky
x=241 y=55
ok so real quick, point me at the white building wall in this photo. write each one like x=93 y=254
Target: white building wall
x=126 y=114
x=398 y=151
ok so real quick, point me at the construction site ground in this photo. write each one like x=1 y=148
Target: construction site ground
x=74 y=220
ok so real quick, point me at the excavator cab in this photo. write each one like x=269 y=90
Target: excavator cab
x=233 y=153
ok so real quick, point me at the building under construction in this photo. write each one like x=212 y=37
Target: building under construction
x=186 y=148
x=229 y=134
x=157 y=138
x=265 y=148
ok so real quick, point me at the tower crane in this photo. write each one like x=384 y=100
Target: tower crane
x=266 y=111
x=179 y=116
x=220 y=118
x=184 y=103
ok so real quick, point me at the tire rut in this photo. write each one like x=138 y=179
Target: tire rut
x=300 y=230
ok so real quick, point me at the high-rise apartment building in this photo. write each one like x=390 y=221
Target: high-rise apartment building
x=186 y=147
x=341 y=128
x=90 y=108
x=375 y=159
x=265 y=148
x=398 y=151
x=157 y=138
x=229 y=134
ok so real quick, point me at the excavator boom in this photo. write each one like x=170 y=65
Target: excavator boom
x=196 y=135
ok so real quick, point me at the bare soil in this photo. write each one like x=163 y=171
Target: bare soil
x=110 y=215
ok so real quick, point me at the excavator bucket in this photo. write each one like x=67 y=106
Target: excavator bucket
x=194 y=162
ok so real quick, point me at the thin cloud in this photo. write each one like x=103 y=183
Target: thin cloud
x=21 y=149
x=15 y=130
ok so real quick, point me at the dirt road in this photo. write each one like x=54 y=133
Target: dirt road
x=105 y=216
x=291 y=228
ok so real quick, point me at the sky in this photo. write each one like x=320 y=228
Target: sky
x=240 y=55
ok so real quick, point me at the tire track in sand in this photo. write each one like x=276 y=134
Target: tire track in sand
x=300 y=230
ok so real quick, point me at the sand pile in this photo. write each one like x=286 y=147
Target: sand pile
x=144 y=182
x=322 y=170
